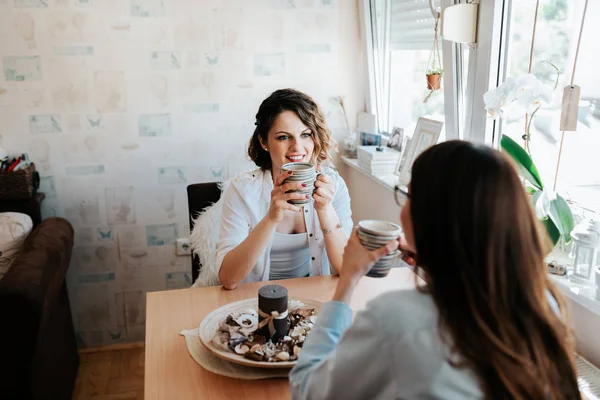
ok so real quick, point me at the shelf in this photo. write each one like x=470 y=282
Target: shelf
x=388 y=181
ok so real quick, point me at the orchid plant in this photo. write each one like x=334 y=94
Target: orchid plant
x=517 y=97
x=513 y=99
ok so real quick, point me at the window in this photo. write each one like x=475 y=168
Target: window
x=558 y=26
x=411 y=41
x=400 y=44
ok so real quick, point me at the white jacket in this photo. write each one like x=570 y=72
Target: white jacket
x=246 y=202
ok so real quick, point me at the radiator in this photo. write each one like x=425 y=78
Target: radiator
x=588 y=377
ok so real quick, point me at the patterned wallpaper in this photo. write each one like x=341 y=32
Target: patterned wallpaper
x=121 y=104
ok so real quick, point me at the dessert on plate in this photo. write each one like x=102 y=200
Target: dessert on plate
x=274 y=332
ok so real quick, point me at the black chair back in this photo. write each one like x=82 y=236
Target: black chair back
x=200 y=196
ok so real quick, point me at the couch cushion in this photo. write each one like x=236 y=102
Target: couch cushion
x=14 y=228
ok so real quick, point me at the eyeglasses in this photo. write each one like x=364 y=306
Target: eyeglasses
x=401 y=192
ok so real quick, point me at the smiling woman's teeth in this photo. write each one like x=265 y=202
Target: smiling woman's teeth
x=295 y=158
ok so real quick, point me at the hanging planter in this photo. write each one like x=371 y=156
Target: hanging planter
x=434 y=70
x=434 y=79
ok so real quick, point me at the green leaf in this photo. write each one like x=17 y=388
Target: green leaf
x=562 y=217
x=525 y=165
x=552 y=230
x=530 y=190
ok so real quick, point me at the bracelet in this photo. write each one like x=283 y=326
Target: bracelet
x=328 y=231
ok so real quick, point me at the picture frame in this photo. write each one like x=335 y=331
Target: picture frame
x=427 y=134
x=396 y=140
x=369 y=139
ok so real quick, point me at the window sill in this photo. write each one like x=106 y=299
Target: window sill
x=387 y=181
x=581 y=294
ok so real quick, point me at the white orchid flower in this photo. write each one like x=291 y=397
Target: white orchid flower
x=516 y=97
x=509 y=87
x=494 y=102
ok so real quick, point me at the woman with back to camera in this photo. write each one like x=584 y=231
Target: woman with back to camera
x=486 y=323
x=262 y=236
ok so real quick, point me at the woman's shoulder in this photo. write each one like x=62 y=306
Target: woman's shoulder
x=244 y=179
x=247 y=176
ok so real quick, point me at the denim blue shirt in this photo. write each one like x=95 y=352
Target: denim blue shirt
x=391 y=351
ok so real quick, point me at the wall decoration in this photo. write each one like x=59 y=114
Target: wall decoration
x=44 y=124
x=22 y=68
x=269 y=64
x=84 y=170
x=171 y=175
x=120 y=206
x=148 y=8
x=165 y=60
x=31 y=3
x=105 y=234
x=161 y=234
x=178 y=280
x=73 y=50
x=80 y=149
x=154 y=125
x=101 y=258
x=109 y=87
x=83 y=208
x=70 y=27
x=24 y=26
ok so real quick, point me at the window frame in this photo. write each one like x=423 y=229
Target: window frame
x=488 y=63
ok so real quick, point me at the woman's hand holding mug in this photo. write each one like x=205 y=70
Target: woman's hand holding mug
x=280 y=196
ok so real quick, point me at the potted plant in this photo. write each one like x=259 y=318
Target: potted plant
x=514 y=98
x=434 y=78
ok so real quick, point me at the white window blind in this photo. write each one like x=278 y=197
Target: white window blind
x=411 y=25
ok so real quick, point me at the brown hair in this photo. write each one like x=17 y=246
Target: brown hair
x=482 y=252
x=305 y=108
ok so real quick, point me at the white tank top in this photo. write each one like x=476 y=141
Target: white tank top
x=290 y=256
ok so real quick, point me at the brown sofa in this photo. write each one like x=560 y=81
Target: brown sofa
x=38 y=352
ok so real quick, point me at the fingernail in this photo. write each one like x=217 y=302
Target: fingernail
x=289 y=173
x=307 y=196
x=304 y=185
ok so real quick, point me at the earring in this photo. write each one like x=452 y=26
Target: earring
x=266 y=149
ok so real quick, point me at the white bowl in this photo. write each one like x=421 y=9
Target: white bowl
x=380 y=228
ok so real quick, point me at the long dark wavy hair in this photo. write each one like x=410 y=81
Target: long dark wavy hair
x=482 y=251
x=305 y=108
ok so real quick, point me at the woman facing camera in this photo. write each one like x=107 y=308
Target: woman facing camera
x=265 y=237
x=486 y=323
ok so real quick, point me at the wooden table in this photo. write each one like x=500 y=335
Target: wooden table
x=171 y=373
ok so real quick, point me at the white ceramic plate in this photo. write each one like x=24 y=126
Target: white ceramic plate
x=210 y=325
